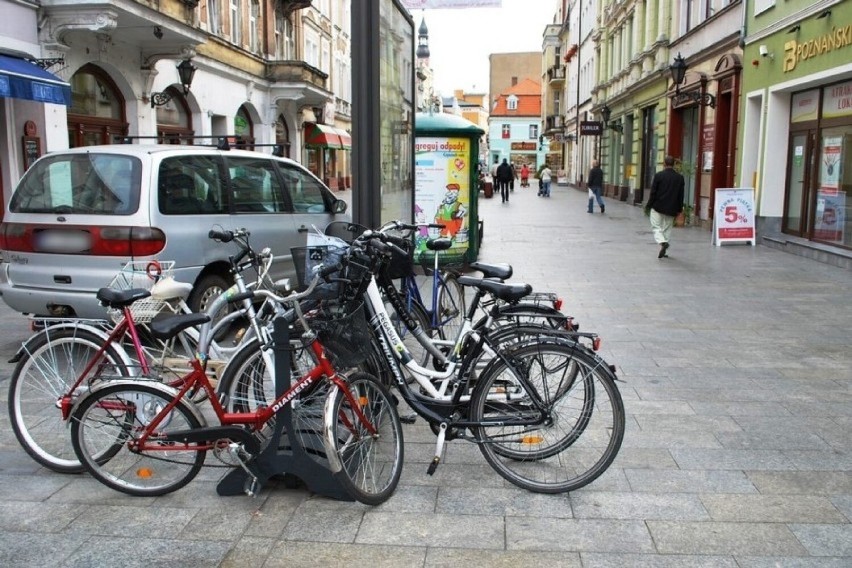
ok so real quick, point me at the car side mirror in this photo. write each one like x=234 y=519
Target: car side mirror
x=338 y=207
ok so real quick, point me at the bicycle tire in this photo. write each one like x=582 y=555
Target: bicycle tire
x=51 y=363
x=450 y=307
x=553 y=457
x=371 y=465
x=113 y=415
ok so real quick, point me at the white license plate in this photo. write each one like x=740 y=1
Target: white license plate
x=68 y=242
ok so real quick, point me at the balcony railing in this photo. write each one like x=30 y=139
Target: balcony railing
x=295 y=72
x=556 y=74
x=553 y=122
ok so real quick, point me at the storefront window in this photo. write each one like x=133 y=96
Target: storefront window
x=831 y=212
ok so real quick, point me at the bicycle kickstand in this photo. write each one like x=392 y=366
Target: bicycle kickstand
x=439 y=449
x=252 y=484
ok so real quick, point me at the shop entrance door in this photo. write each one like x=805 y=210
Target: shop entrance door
x=799 y=175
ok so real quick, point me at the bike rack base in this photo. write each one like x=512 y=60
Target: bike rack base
x=284 y=455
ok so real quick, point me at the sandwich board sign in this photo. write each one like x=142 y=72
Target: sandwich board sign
x=733 y=219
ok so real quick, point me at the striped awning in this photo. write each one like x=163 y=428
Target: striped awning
x=325 y=136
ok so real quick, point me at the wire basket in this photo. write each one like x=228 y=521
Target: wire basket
x=141 y=274
x=344 y=333
x=344 y=230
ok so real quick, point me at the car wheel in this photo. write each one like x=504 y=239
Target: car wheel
x=205 y=292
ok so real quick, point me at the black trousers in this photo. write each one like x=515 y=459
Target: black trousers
x=504 y=190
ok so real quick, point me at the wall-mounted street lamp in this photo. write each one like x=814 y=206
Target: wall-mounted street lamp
x=606 y=113
x=186 y=71
x=678 y=71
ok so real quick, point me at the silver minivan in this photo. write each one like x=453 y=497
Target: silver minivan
x=78 y=216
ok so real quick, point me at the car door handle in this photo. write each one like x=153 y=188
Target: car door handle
x=303 y=229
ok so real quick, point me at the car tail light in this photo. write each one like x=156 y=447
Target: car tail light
x=105 y=241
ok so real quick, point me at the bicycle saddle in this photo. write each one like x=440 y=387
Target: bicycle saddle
x=502 y=271
x=113 y=298
x=441 y=243
x=506 y=292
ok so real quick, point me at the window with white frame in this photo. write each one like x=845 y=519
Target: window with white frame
x=284 y=42
x=512 y=102
x=506 y=131
x=214 y=17
x=254 y=23
x=325 y=62
x=533 y=131
x=236 y=14
x=312 y=48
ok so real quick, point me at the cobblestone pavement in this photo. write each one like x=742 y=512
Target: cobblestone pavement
x=737 y=381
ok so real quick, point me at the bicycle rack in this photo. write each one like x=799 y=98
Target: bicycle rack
x=284 y=454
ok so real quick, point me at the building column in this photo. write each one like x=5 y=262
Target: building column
x=651 y=7
x=639 y=27
x=665 y=25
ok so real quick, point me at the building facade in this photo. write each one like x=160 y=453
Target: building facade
x=514 y=126
x=796 y=138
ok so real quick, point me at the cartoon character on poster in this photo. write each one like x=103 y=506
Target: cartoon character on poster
x=451 y=212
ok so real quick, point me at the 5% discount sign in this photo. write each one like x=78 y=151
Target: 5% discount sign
x=734 y=217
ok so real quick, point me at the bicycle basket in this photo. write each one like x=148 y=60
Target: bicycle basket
x=141 y=274
x=401 y=265
x=344 y=334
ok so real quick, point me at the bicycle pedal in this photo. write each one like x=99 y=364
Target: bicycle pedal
x=433 y=466
x=252 y=486
x=408 y=418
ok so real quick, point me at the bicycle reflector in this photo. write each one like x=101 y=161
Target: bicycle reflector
x=557 y=303
x=532 y=439
x=145 y=473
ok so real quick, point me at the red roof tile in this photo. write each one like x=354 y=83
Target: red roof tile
x=528 y=93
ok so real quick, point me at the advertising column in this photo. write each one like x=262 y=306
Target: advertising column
x=442 y=191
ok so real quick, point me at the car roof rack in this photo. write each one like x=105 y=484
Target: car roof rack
x=221 y=142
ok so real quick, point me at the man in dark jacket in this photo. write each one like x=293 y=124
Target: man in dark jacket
x=665 y=203
x=596 y=186
x=504 y=177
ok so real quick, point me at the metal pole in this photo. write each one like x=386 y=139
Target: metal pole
x=579 y=170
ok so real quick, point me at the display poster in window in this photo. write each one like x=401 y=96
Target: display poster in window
x=442 y=192
x=32 y=150
x=733 y=220
x=830 y=214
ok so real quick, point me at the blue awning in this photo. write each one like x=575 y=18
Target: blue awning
x=20 y=79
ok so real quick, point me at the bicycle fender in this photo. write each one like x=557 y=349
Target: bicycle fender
x=334 y=463
x=93 y=329
x=163 y=388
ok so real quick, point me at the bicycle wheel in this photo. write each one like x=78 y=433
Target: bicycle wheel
x=582 y=427
x=247 y=384
x=451 y=307
x=371 y=463
x=51 y=363
x=109 y=419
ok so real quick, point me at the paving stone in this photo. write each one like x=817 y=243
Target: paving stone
x=751 y=539
x=843 y=504
x=451 y=531
x=689 y=481
x=113 y=520
x=772 y=508
x=577 y=535
x=802 y=482
x=820 y=461
x=248 y=551
x=599 y=560
x=739 y=408
x=87 y=490
x=37 y=517
x=503 y=502
x=310 y=555
x=314 y=524
x=143 y=552
x=732 y=459
x=642 y=506
x=769 y=439
x=791 y=562
x=453 y=558
x=28 y=549
x=825 y=540
x=688 y=423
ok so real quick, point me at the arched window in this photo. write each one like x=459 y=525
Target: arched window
x=282 y=135
x=244 y=129
x=97 y=113
x=174 y=120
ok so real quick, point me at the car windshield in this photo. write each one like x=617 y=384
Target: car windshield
x=93 y=184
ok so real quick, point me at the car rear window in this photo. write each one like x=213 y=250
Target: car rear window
x=91 y=184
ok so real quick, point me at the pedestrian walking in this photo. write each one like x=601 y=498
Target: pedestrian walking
x=596 y=187
x=525 y=175
x=544 y=177
x=514 y=177
x=493 y=172
x=665 y=203
x=504 y=178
